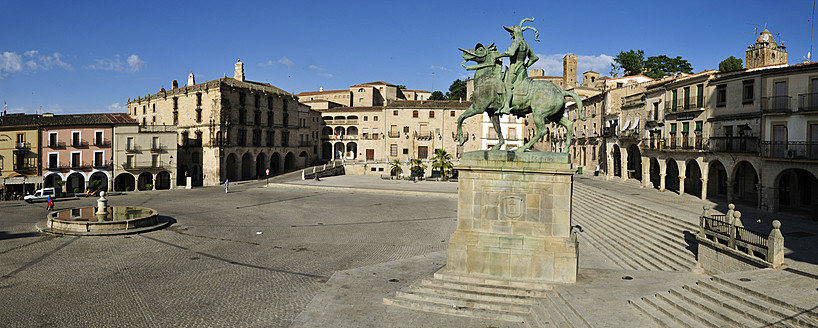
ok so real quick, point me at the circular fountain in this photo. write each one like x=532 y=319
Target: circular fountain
x=103 y=220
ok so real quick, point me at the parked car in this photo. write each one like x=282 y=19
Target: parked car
x=41 y=195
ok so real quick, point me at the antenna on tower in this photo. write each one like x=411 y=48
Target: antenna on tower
x=812 y=32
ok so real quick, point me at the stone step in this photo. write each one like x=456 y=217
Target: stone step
x=704 y=309
x=626 y=249
x=486 y=289
x=477 y=296
x=464 y=302
x=624 y=216
x=751 y=299
x=596 y=197
x=671 y=257
x=657 y=305
x=621 y=256
x=659 y=317
x=594 y=241
x=539 y=318
x=568 y=312
x=599 y=195
x=488 y=281
x=454 y=310
x=731 y=305
x=678 y=309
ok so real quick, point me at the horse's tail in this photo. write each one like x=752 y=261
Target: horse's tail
x=578 y=100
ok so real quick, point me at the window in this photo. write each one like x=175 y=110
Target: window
x=175 y=102
x=375 y=118
x=270 y=103
x=76 y=139
x=98 y=138
x=198 y=99
x=674 y=102
x=700 y=96
x=129 y=161
x=406 y=151
x=394 y=113
x=284 y=105
x=699 y=125
x=414 y=114
x=405 y=129
x=129 y=143
x=672 y=128
x=76 y=159
x=685 y=127
x=431 y=114
x=53 y=160
x=270 y=117
x=241 y=99
x=619 y=84
x=687 y=97
x=153 y=108
x=144 y=111
x=451 y=114
x=721 y=95
x=257 y=101
x=52 y=140
x=155 y=160
x=747 y=92
x=366 y=118
x=512 y=133
x=493 y=134
x=99 y=158
x=155 y=143
x=393 y=150
x=198 y=115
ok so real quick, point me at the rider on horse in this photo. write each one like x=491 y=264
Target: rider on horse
x=517 y=54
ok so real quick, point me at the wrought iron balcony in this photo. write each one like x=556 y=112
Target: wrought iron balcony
x=133 y=149
x=79 y=143
x=56 y=145
x=808 y=102
x=394 y=134
x=22 y=145
x=158 y=148
x=748 y=145
x=776 y=104
x=805 y=150
x=423 y=135
x=102 y=142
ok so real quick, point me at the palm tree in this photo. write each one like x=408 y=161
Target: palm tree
x=418 y=169
x=394 y=168
x=443 y=162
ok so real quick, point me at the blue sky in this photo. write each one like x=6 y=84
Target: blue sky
x=82 y=56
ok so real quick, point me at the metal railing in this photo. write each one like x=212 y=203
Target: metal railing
x=56 y=145
x=22 y=145
x=79 y=143
x=734 y=144
x=143 y=165
x=102 y=142
x=394 y=134
x=790 y=149
x=808 y=102
x=776 y=104
x=684 y=142
x=133 y=149
x=423 y=135
x=684 y=104
x=158 y=147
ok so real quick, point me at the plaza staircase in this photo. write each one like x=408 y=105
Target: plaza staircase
x=534 y=304
x=717 y=302
x=631 y=236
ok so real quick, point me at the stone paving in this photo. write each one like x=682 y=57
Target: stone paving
x=296 y=253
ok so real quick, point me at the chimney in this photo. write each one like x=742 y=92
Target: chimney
x=321 y=89
x=239 y=73
x=191 y=80
x=174 y=85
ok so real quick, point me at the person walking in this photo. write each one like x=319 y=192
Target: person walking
x=226 y=185
x=50 y=205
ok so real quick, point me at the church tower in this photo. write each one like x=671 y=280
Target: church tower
x=569 y=71
x=766 y=52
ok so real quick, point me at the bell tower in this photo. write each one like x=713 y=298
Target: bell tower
x=766 y=52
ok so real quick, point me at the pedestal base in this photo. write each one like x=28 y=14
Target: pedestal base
x=514 y=217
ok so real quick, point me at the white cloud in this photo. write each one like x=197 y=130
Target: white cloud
x=131 y=64
x=287 y=62
x=268 y=63
x=12 y=62
x=313 y=67
x=438 y=68
x=326 y=75
x=134 y=63
x=552 y=64
x=117 y=107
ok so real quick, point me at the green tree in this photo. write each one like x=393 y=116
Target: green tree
x=401 y=86
x=731 y=64
x=443 y=162
x=630 y=62
x=457 y=90
x=437 y=95
x=394 y=168
x=418 y=169
x=657 y=67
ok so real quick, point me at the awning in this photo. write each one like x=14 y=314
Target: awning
x=635 y=123
x=21 y=180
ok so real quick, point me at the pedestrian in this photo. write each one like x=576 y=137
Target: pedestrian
x=226 y=185
x=50 y=205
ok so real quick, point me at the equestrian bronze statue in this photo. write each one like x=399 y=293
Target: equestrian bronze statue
x=499 y=92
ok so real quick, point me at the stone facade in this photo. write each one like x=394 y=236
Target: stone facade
x=144 y=157
x=19 y=155
x=232 y=128
x=514 y=218
x=765 y=52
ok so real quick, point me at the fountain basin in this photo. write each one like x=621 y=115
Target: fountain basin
x=116 y=220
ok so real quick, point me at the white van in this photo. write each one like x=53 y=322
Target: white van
x=41 y=195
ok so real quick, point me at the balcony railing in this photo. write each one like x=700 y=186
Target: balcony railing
x=305 y=143
x=684 y=105
x=22 y=145
x=423 y=135
x=102 y=142
x=23 y=167
x=143 y=165
x=808 y=102
x=683 y=143
x=133 y=149
x=776 y=104
x=56 y=145
x=790 y=150
x=158 y=148
x=394 y=134
x=748 y=145
x=79 y=143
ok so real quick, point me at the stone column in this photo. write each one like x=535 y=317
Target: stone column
x=704 y=188
x=681 y=184
x=729 y=190
x=662 y=181
x=623 y=160
x=514 y=218
x=646 y=172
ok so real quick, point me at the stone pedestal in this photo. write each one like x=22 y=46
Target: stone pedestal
x=188 y=182
x=514 y=217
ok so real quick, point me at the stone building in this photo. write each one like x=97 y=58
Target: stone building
x=19 y=154
x=232 y=128
x=144 y=157
x=765 y=52
x=77 y=149
x=370 y=94
x=402 y=130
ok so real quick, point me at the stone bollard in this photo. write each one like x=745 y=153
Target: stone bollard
x=702 y=221
x=102 y=204
x=775 y=246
